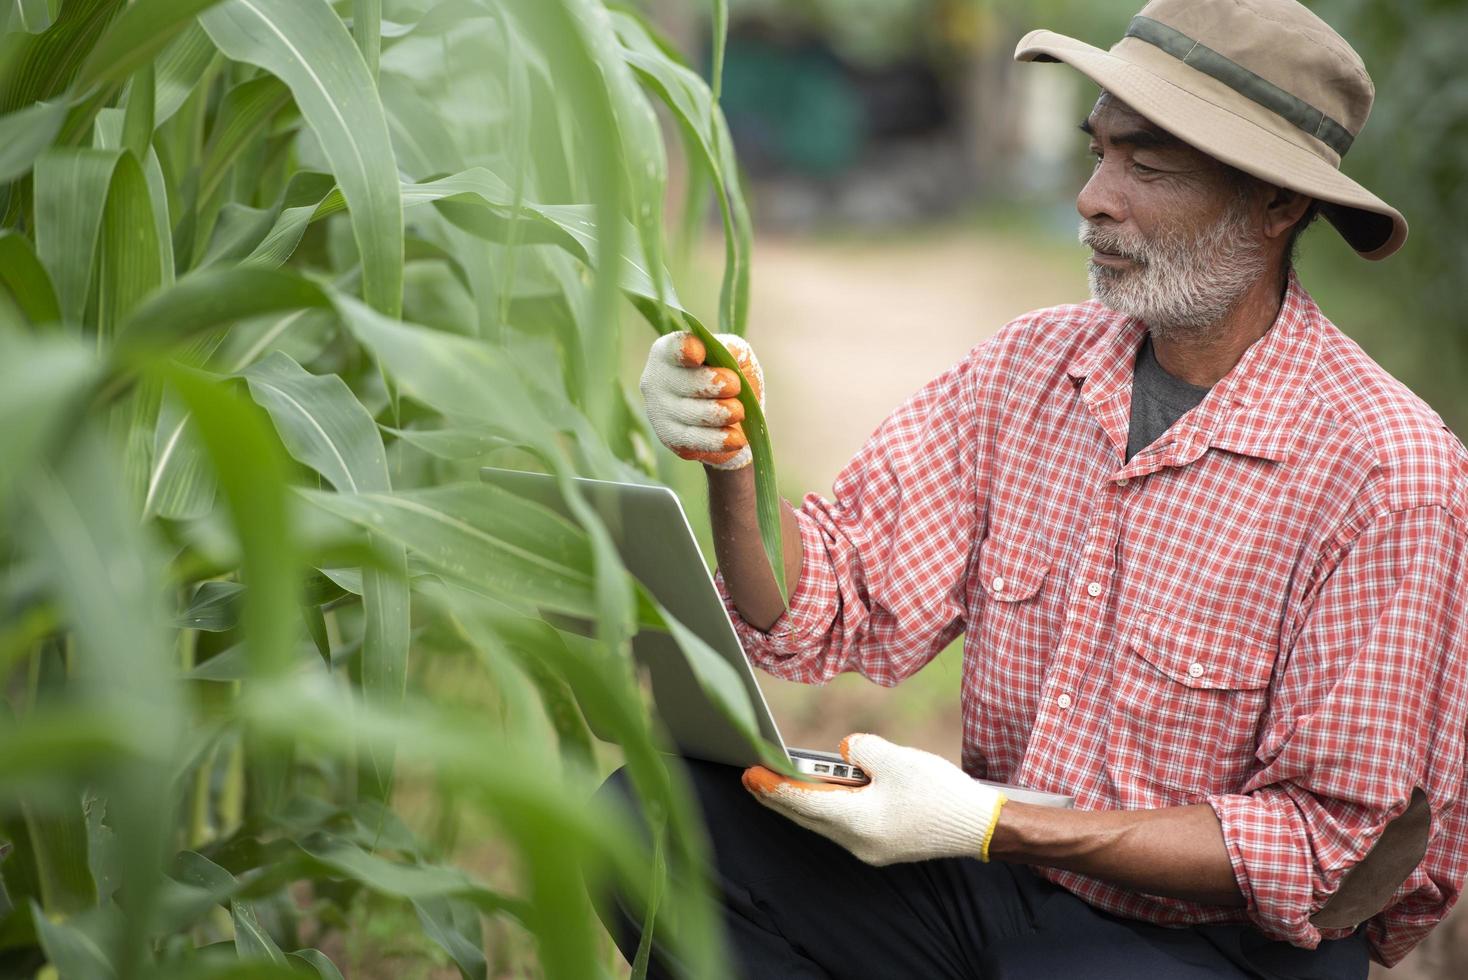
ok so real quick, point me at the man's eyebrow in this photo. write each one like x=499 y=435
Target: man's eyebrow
x=1140 y=138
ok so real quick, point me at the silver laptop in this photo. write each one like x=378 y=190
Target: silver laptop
x=656 y=543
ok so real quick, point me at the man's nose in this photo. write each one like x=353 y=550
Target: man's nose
x=1102 y=196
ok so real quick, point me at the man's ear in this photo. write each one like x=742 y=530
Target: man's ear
x=1282 y=208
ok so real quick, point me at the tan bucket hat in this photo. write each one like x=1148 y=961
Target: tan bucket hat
x=1263 y=85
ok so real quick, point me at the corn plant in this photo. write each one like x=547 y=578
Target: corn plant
x=276 y=277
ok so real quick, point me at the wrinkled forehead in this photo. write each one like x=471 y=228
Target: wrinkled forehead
x=1113 y=120
x=1113 y=113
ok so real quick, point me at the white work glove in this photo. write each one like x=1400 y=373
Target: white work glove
x=695 y=409
x=917 y=806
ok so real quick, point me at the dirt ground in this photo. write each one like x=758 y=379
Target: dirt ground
x=845 y=330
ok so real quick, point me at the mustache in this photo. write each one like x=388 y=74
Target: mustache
x=1104 y=240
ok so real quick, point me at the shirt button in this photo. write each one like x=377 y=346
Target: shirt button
x=1063 y=701
x=1123 y=482
x=998 y=584
x=1195 y=670
x=1093 y=590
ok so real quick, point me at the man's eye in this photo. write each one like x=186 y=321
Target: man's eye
x=1143 y=169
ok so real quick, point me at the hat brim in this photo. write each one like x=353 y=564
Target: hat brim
x=1369 y=225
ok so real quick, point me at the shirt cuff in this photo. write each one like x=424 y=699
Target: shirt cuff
x=813 y=600
x=1269 y=848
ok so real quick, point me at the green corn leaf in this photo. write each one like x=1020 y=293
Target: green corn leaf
x=195 y=887
x=243 y=115
x=232 y=664
x=607 y=692
x=137 y=128
x=719 y=680
x=140 y=32
x=58 y=841
x=211 y=964
x=251 y=941
x=301 y=333
x=454 y=926
x=466 y=377
x=721 y=40
x=707 y=137
x=386 y=611
x=132 y=257
x=102 y=855
x=208 y=300
x=448 y=442
x=108 y=576
x=25 y=134
x=456 y=375
x=158 y=197
x=291 y=223
x=644 y=163
x=481 y=202
x=215 y=607
x=513 y=778
x=318 y=962
x=19 y=881
x=74 y=739
x=180 y=484
x=72 y=949
x=305 y=45
x=252 y=478
x=767 y=492
x=654 y=898
x=696 y=108
x=71 y=195
x=35 y=16
x=267 y=236
x=323 y=425
x=36 y=67
x=179 y=70
x=23 y=276
x=109 y=134
x=367 y=31
x=393 y=878
x=43 y=382
x=483 y=536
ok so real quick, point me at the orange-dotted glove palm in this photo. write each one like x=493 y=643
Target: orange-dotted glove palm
x=695 y=409
x=917 y=806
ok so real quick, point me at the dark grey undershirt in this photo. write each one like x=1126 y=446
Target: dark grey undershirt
x=1158 y=400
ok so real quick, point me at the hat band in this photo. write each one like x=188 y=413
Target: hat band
x=1258 y=90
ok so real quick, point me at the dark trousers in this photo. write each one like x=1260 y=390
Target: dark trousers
x=797 y=905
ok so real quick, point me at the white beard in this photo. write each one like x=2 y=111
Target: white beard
x=1184 y=283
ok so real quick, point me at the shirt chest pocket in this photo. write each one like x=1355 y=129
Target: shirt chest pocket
x=1012 y=628
x=1187 y=702
x=1010 y=570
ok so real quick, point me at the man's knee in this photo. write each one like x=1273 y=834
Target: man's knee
x=715 y=790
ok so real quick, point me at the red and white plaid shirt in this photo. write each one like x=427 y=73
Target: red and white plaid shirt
x=1264 y=610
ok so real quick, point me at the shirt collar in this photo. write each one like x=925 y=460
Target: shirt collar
x=1249 y=411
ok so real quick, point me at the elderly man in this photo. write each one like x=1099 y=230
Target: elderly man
x=1209 y=560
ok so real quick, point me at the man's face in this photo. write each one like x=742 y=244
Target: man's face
x=1175 y=235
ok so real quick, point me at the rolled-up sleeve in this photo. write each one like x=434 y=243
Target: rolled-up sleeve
x=881 y=586
x=1368 y=706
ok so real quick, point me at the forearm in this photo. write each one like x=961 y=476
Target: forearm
x=1177 y=852
x=741 y=551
